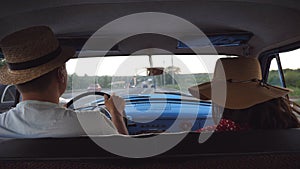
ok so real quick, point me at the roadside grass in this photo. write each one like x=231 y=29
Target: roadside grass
x=295 y=95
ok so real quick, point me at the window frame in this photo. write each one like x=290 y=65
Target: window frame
x=5 y=92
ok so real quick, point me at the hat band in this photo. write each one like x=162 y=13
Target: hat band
x=36 y=62
x=260 y=82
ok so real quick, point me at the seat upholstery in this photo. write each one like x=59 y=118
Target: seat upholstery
x=253 y=149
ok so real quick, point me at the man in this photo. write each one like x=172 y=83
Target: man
x=35 y=63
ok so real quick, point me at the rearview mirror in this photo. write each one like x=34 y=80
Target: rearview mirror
x=152 y=71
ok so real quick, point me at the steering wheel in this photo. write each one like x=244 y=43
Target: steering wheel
x=102 y=110
x=84 y=95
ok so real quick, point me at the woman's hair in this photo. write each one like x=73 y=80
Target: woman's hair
x=272 y=114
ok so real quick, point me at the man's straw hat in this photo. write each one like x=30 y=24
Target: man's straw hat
x=31 y=53
x=243 y=80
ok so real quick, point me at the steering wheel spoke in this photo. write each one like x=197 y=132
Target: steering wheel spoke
x=84 y=95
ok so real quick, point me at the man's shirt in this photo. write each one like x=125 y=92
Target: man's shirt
x=31 y=119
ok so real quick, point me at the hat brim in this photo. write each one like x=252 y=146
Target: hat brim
x=14 y=77
x=237 y=95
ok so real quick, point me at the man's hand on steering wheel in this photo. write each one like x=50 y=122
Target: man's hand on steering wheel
x=116 y=105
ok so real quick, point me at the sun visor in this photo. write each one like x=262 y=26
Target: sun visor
x=218 y=40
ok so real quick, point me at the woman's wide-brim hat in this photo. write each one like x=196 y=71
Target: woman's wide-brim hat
x=31 y=53
x=237 y=84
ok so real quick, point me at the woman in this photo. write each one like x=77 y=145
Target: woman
x=242 y=101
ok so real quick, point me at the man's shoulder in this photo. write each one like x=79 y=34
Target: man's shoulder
x=85 y=112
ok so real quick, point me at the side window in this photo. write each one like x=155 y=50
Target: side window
x=9 y=94
x=274 y=74
x=290 y=63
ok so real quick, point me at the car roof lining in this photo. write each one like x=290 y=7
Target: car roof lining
x=261 y=17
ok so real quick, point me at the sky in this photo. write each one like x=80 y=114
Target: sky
x=133 y=65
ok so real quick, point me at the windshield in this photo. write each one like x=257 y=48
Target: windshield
x=136 y=75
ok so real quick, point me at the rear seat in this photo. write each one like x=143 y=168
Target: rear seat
x=252 y=149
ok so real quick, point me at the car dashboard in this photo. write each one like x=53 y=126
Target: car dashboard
x=157 y=113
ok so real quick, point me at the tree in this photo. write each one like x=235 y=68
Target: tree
x=171 y=71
